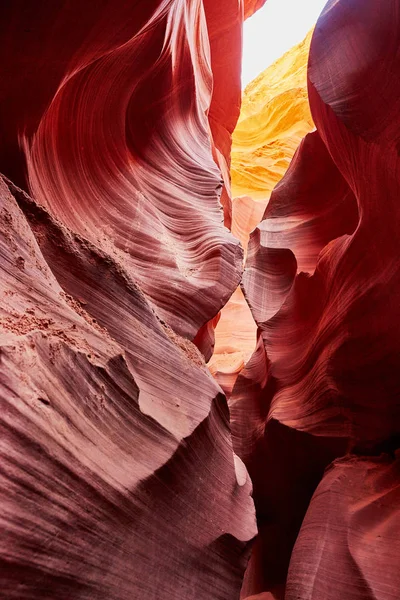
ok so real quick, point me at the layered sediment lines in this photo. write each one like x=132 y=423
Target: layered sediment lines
x=118 y=476
x=122 y=134
x=322 y=279
x=123 y=473
x=274 y=117
x=115 y=436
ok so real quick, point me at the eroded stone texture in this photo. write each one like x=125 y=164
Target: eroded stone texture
x=126 y=125
x=118 y=476
x=323 y=282
x=274 y=117
x=115 y=437
x=349 y=543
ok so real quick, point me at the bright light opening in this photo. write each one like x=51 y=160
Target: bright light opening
x=273 y=30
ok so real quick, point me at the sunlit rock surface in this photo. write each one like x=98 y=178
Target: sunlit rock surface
x=123 y=475
x=235 y=331
x=322 y=279
x=274 y=117
x=251 y=6
x=117 y=136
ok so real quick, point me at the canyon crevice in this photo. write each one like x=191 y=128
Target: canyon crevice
x=199 y=316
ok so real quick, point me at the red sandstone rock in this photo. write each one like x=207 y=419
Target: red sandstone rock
x=299 y=221
x=235 y=333
x=205 y=338
x=323 y=282
x=115 y=437
x=118 y=476
x=118 y=140
x=330 y=332
x=251 y=6
x=349 y=544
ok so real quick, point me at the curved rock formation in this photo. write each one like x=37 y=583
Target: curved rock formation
x=297 y=224
x=118 y=476
x=108 y=460
x=315 y=324
x=123 y=475
x=118 y=141
x=349 y=543
x=235 y=331
x=323 y=282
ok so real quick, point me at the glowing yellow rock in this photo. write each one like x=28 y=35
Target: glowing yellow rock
x=274 y=117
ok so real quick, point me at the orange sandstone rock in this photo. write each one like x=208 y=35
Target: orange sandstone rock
x=275 y=116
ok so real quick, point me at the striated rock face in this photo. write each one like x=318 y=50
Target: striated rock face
x=235 y=331
x=124 y=473
x=356 y=506
x=115 y=438
x=118 y=142
x=323 y=283
x=118 y=476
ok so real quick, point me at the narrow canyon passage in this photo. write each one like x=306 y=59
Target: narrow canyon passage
x=199 y=301
x=274 y=118
x=317 y=440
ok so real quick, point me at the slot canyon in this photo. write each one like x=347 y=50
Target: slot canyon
x=200 y=304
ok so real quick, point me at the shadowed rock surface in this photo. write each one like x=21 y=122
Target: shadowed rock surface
x=322 y=280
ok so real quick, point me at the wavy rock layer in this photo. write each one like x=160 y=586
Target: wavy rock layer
x=118 y=476
x=235 y=331
x=323 y=282
x=357 y=507
x=108 y=460
x=122 y=132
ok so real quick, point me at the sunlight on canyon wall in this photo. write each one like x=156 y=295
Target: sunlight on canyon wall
x=274 y=117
